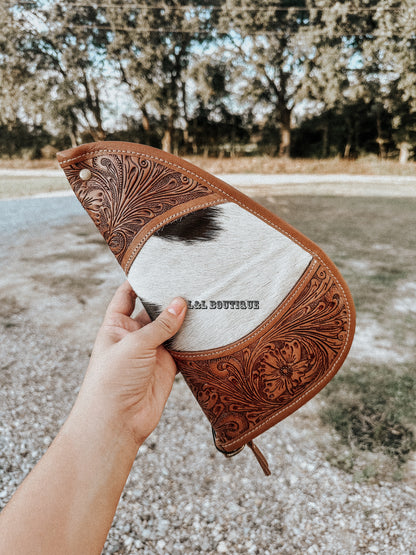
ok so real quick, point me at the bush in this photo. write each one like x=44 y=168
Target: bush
x=21 y=140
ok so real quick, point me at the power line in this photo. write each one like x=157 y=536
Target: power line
x=162 y=30
x=217 y=32
x=224 y=9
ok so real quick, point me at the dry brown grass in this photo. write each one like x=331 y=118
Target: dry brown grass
x=369 y=165
x=269 y=165
x=13 y=187
x=16 y=164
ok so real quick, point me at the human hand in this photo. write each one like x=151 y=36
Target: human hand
x=67 y=503
x=130 y=374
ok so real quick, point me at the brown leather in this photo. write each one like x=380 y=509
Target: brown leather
x=245 y=387
x=149 y=189
x=256 y=382
x=260 y=458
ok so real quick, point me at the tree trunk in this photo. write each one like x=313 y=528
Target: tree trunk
x=73 y=138
x=285 y=133
x=347 y=150
x=167 y=141
x=146 y=125
x=145 y=120
x=167 y=136
x=350 y=138
x=380 y=139
x=73 y=135
x=186 y=139
x=404 y=152
x=93 y=106
x=325 y=144
x=98 y=133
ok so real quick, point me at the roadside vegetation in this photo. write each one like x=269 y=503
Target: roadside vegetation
x=373 y=409
x=370 y=405
x=365 y=165
x=343 y=481
x=35 y=183
x=301 y=78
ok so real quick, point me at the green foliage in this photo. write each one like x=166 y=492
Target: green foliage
x=349 y=131
x=374 y=408
x=132 y=130
x=20 y=140
x=340 y=74
x=217 y=137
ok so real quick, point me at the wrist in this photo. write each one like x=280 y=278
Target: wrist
x=103 y=426
x=77 y=483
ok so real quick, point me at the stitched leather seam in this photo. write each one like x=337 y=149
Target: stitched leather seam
x=139 y=245
x=296 y=401
x=242 y=204
x=200 y=178
x=265 y=324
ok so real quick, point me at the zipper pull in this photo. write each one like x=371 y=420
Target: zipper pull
x=260 y=458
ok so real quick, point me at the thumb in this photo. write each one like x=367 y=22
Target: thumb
x=166 y=324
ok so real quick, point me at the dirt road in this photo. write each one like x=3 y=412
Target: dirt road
x=183 y=496
x=17 y=183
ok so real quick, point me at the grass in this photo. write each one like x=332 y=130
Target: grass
x=371 y=403
x=9 y=308
x=367 y=165
x=374 y=409
x=370 y=165
x=69 y=284
x=371 y=240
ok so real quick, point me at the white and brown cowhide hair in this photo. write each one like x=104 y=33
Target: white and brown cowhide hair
x=221 y=253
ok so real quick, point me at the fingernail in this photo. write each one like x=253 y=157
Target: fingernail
x=175 y=307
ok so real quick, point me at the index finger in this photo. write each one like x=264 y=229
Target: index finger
x=123 y=302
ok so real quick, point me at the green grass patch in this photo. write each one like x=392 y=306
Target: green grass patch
x=374 y=409
x=387 y=276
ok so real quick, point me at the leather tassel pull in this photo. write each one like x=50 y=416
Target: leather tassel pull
x=260 y=458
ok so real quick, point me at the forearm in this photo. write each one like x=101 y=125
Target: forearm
x=67 y=503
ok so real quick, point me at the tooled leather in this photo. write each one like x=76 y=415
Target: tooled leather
x=261 y=412
x=125 y=192
x=249 y=390
x=161 y=220
x=261 y=329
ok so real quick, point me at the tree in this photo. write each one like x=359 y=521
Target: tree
x=393 y=51
x=22 y=129
x=366 y=55
x=199 y=72
x=213 y=125
x=14 y=70
x=65 y=51
x=268 y=57
x=152 y=47
x=336 y=84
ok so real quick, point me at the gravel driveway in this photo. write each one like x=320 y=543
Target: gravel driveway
x=182 y=497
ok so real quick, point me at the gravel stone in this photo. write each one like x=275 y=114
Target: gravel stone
x=182 y=496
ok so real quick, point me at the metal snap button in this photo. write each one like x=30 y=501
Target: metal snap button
x=85 y=174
